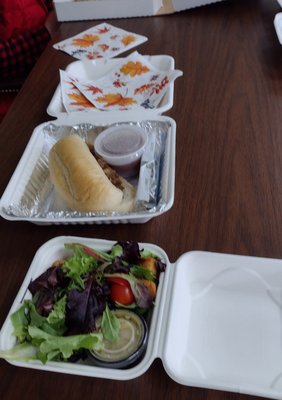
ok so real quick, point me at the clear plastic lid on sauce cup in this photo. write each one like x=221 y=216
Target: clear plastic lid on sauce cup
x=121 y=147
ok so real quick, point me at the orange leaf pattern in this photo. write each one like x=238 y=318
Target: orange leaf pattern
x=144 y=88
x=85 y=41
x=104 y=47
x=93 y=89
x=128 y=39
x=105 y=29
x=134 y=68
x=80 y=100
x=116 y=99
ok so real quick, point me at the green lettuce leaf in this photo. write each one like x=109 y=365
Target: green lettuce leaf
x=110 y=325
x=20 y=322
x=141 y=272
x=62 y=347
x=27 y=315
x=116 y=251
x=57 y=316
x=78 y=265
x=21 y=352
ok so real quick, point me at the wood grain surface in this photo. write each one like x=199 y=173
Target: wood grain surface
x=228 y=188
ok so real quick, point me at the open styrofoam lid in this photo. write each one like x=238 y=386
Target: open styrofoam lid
x=224 y=324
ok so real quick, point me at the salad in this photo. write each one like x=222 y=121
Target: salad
x=75 y=304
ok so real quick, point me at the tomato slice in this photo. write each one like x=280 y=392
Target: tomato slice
x=118 y=281
x=122 y=294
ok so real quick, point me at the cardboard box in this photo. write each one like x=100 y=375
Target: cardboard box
x=75 y=10
x=70 y=10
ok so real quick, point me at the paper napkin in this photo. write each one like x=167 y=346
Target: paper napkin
x=100 y=41
x=134 y=83
x=72 y=98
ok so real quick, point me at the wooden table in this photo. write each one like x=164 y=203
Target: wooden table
x=228 y=194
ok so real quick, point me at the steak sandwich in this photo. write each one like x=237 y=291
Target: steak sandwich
x=85 y=183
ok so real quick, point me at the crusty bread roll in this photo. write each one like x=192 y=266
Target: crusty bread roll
x=82 y=183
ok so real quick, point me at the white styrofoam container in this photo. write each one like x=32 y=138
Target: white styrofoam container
x=216 y=321
x=21 y=176
x=278 y=26
x=93 y=70
x=70 y=10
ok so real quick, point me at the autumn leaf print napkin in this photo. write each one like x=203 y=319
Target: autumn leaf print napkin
x=72 y=98
x=100 y=41
x=134 y=83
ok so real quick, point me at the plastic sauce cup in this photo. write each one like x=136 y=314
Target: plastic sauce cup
x=122 y=147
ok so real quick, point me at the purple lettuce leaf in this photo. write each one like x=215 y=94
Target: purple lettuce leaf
x=85 y=306
x=45 y=287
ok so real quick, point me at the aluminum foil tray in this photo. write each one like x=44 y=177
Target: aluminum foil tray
x=30 y=194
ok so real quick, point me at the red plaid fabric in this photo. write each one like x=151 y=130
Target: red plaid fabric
x=19 y=54
x=20 y=44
